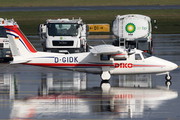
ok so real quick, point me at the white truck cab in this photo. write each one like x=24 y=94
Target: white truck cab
x=64 y=35
x=5 y=52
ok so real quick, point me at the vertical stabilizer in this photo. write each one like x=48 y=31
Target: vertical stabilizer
x=19 y=44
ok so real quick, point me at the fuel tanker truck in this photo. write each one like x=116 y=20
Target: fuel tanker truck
x=133 y=31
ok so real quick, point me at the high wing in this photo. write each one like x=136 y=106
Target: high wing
x=107 y=49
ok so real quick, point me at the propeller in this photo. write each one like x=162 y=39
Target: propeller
x=130 y=51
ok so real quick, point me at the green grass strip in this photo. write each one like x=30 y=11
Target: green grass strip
x=36 y=3
x=168 y=20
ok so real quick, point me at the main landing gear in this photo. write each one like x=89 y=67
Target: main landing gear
x=105 y=75
x=168 y=78
x=105 y=85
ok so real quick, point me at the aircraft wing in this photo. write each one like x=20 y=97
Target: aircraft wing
x=107 y=49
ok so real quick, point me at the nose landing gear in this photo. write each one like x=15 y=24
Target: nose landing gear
x=168 y=78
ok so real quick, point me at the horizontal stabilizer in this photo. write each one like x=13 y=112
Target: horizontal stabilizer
x=107 y=49
x=20 y=61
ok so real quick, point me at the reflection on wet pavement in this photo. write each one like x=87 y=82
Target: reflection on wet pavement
x=54 y=95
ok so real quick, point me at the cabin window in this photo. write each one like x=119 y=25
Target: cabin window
x=123 y=58
x=105 y=57
x=138 y=57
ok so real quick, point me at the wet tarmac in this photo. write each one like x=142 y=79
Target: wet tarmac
x=30 y=92
x=80 y=8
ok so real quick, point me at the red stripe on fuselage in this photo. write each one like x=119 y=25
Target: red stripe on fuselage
x=149 y=66
x=68 y=64
x=84 y=65
x=23 y=37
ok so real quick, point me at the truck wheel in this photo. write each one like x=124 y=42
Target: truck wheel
x=151 y=47
x=44 y=49
x=87 y=48
x=7 y=59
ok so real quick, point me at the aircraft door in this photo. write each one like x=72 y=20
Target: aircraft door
x=138 y=65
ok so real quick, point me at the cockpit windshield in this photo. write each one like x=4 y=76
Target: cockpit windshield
x=62 y=29
x=145 y=55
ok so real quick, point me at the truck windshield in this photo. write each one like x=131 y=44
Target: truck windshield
x=3 y=32
x=62 y=29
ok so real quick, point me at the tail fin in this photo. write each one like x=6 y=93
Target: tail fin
x=19 y=44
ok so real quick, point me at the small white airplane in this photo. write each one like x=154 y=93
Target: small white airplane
x=106 y=60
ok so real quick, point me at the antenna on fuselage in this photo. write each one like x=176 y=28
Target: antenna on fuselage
x=103 y=42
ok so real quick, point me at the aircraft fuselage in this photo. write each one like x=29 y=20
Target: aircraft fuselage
x=88 y=62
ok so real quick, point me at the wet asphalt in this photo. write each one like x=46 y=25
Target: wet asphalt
x=30 y=92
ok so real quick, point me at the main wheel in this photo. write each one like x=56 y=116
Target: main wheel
x=168 y=77
x=105 y=75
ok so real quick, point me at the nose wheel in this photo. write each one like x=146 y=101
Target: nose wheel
x=168 y=77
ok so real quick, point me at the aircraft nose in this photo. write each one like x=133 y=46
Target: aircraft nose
x=171 y=66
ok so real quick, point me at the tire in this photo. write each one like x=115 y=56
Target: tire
x=168 y=78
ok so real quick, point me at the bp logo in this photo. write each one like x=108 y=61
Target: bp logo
x=130 y=27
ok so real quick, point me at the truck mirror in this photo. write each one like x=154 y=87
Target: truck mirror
x=155 y=24
x=43 y=36
x=77 y=26
x=87 y=28
x=39 y=28
x=48 y=25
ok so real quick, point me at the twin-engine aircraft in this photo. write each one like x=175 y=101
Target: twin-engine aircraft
x=106 y=60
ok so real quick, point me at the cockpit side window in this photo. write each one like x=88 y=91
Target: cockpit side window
x=145 y=55
x=138 y=57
